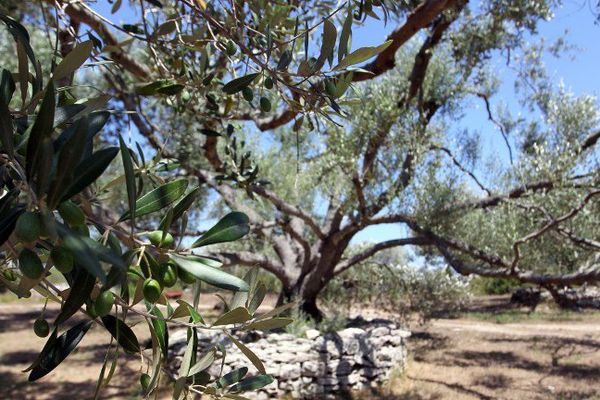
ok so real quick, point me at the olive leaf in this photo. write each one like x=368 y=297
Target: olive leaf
x=231 y=227
x=238 y=84
x=360 y=55
x=235 y=316
x=57 y=349
x=327 y=44
x=249 y=354
x=158 y=198
x=89 y=170
x=267 y=324
x=210 y=275
x=129 y=179
x=160 y=328
x=254 y=383
x=40 y=132
x=73 y=60
x=232 y=377
x=122 y=333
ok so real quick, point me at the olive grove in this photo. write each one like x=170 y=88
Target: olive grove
x=356 y=137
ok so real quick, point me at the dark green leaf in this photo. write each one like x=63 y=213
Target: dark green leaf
x=164 y=86
x=327 y=44
x=7 y=224
x=122 y=333
x=185 y=203
x=81 y=287
x=238 y=84
x=158 y=198
x=63 y=114
x=235 y=316
x=41 y=131
x=360 y=55
x=232 y=377
x=160 y=328
x=345 y=35
x=96 y=121
x=254 y=383
x=231 y=227
x=249 y=354
x=89 y=170
x=68 y=159
x=73 y=60
x=203 y=363
x=84 y=255
x=257 y=298
x=7 y=86
x=267 y=324
x=57 y=349
x=285 y=60
x=129 y=179
x=6 y=129
x=210 y=275
x=20 y=35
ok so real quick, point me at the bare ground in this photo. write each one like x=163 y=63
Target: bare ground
x=464 y=358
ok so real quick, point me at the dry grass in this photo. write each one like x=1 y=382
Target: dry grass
x=551 y=355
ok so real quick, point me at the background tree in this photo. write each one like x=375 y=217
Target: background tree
x=393 y=159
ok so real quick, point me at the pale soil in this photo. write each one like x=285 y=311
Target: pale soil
x=471 y=359
x=461 y=358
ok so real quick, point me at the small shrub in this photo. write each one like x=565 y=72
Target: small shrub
x=482 y=285
x=402 y=290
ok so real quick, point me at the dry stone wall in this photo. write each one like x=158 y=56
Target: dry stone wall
x=318 y=365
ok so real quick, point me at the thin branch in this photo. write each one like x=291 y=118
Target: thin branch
x=462 y=168
x=414 y=241
x=548 y=226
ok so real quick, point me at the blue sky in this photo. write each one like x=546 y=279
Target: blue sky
x=577 y=70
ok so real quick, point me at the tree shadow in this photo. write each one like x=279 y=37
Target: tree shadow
x=493 y=381
x=468 y=358
x=15 y=386
x=454 y=386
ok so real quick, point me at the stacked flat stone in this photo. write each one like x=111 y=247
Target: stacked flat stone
x=315 y=366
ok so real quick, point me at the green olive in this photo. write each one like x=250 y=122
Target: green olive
x=231 y=48
x=41 y=327
x=104 y=303
x=145 y=381
x=152 y=290
x=9 y=275
x=156 y=238
x=28 y=227
x=62 y=259
x=248 y=94
x=185 y=276
x=83 y=230
x=330 y=88
x=71 y=213
x=268 y=83
x=168 y=274
x=30 y=264
x=265 y=104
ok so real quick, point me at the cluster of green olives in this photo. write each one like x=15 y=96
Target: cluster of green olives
x=30 y=227
x=264 y=103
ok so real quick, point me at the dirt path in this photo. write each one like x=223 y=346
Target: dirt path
x=448 y=359
x=467 y=359
x=563 y=330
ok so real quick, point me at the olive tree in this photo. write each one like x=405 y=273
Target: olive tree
x=57 y=216
x=370 y=130
x=364 y=136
